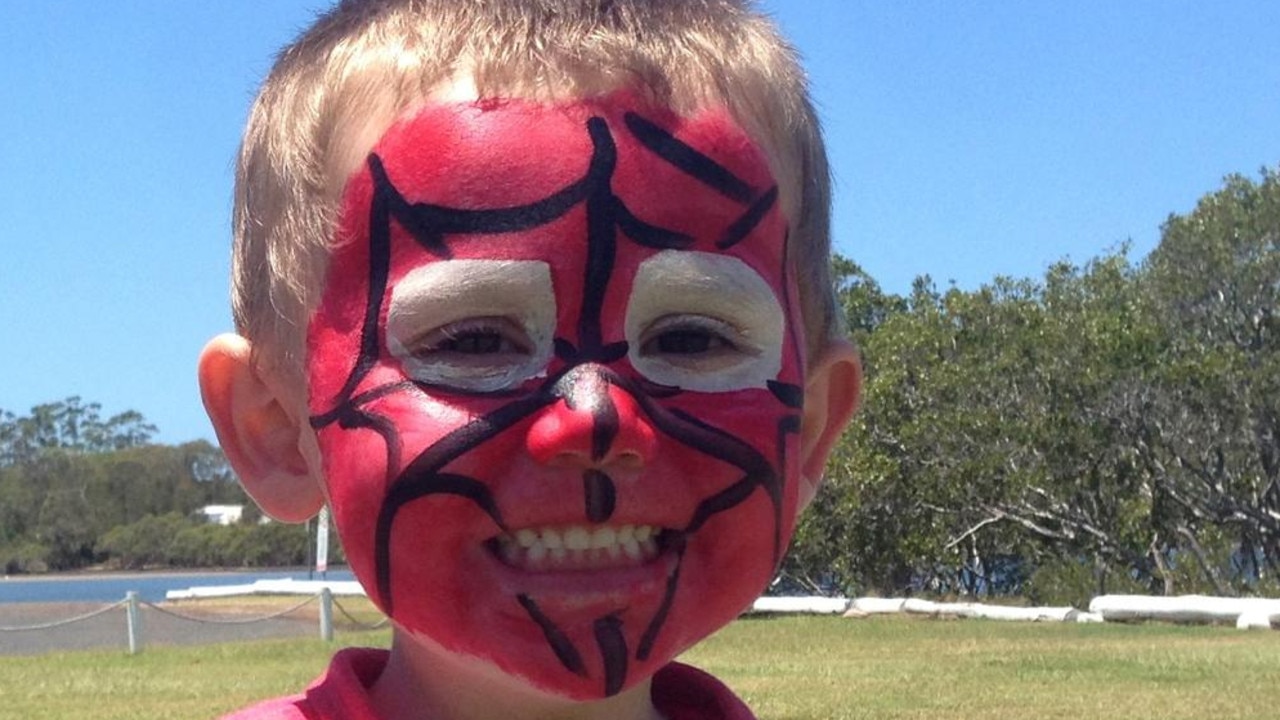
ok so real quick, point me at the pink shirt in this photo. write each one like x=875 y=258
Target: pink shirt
x=680 y=692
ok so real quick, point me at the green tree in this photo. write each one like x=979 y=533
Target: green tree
x=60 y=525
x=72 y=425
x=1110 y=426
x=1209 y=431
x=147 y=542
x=68 y=477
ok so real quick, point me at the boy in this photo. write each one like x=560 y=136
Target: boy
x=534 y=294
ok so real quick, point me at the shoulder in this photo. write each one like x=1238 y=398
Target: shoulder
x=285 y=708
x=341 y=692
x=683 y=692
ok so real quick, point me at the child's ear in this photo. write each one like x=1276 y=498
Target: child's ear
x=832 y=391
x=260 y=431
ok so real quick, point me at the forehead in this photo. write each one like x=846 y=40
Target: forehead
x=698 y=181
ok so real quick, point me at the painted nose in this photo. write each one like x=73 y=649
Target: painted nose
x=593 y=424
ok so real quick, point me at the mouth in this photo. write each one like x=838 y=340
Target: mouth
x=578 y=547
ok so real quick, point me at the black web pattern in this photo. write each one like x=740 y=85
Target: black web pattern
x=586 y=358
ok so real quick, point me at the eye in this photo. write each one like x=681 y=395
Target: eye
x=481 y=341
x=474 y=325
x=694 y=342
x=480 y=354
x=704 y=322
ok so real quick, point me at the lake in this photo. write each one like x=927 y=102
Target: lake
x=150 y=586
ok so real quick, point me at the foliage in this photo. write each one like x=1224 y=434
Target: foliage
x=1111 y=426
x=177 y=541
x=71 y=425
x=79 y=490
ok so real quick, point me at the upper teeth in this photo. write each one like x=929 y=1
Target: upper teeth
x=579 y=546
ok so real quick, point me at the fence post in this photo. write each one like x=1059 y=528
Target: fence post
x=326 y=614
x=134 y=622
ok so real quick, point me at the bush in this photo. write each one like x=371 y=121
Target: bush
x=176 y=541
x=1075 y=582
x=144 y=543
x=24 y=557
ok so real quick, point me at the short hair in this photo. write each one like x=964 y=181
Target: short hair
x=369 y=61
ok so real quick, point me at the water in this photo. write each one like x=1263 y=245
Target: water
x=110 y=587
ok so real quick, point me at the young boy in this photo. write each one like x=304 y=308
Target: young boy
x=535 y=295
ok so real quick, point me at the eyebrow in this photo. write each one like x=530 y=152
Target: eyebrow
x=691 y=161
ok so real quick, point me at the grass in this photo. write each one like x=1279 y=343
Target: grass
x=895 y=667
x=791 y=668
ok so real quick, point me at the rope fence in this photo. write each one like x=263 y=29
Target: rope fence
x=68 y=621
x=359 y=623
x=230 y=621
x=133 y=604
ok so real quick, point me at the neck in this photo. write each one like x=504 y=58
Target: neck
x=423 y=681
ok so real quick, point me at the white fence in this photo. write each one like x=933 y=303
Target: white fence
x=1243 y=612
x=133 y=606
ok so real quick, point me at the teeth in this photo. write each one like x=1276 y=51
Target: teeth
x=605 y=537
x=537 y=553
x=577 y=547
x=577 y=538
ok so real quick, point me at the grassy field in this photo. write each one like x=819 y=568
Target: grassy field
x=787 y=668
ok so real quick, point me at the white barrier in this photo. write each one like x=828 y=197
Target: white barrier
x=992 y=612
x=810 y=605
x=877 y=606
x=915 y=606
x=1243 y=612
x=284 y=586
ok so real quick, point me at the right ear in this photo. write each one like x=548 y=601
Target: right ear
x=259 y=430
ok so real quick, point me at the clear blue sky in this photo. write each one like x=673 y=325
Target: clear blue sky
x=969 y=140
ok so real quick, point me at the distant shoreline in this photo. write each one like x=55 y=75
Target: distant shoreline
x=78 y=575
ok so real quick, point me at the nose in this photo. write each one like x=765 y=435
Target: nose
x=594 y=423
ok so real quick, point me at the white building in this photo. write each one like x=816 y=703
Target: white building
x=222 y=514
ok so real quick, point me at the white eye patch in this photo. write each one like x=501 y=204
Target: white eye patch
x=704 y=322
x=475 y=325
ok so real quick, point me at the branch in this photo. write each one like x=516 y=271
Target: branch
x=967 y=533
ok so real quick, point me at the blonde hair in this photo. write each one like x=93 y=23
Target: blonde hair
x=366 y=62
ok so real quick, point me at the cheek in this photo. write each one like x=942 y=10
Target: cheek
x=734 y=555
x=748 y=539
x=762 y=439
x=362 y=456
x=730 y=561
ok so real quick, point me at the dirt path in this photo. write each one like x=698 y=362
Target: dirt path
x=110 y=629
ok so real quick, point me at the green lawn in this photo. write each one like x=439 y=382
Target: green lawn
x=786 y=668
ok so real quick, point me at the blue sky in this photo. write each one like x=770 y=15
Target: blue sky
x=968 y=139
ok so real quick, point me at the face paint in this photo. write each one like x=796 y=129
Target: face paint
x=556 y=376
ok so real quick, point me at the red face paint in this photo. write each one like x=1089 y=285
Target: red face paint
x=556 y=376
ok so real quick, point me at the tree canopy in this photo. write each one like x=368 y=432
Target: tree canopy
x=1112 y=425
x=78 y=489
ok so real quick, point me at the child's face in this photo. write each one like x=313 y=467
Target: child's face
x=555 y=376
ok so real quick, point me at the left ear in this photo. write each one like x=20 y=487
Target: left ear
x=832 y=391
